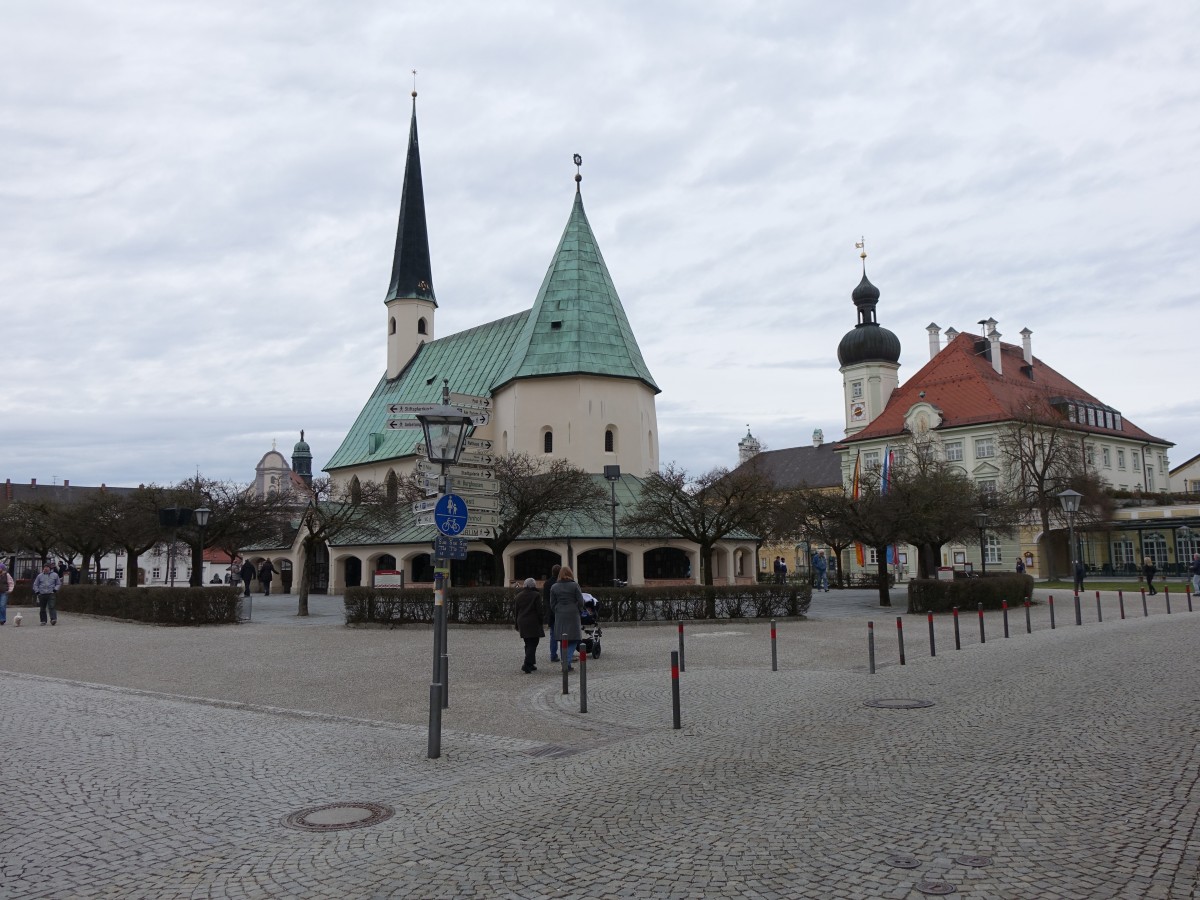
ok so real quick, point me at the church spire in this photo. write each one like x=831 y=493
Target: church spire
x=412 y=275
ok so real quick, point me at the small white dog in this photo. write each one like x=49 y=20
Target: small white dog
x=17 y=621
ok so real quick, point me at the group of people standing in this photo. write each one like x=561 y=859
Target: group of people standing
x=559 y=604
x=264 y=573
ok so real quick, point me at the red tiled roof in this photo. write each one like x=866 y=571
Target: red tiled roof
x=961 y=383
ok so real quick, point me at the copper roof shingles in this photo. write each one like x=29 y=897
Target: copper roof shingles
x=967 y=390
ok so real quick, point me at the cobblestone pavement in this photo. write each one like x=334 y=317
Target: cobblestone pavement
x=149 y=762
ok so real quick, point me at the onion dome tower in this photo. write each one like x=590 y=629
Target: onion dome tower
x=869 y=355
x=302 y=459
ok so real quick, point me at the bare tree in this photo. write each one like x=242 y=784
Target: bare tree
x=539 y=497
x=705 y=508
x=134 y=527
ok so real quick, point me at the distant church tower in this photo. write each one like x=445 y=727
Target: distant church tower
x=302 y=460
x=748 y=448
x=870 y=359
x=410 y=299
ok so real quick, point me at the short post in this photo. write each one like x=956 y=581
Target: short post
x=582 y=680
x=900 y=636
x=1028 y=619
x=982 y=633
x=675 y=689
x=1145 y=608
x=1099 y=611
x=1189 y=596
x=1167 y=597
x=433 y=748
x=774 y=652
x=681 y=669
x=1121 y=602
x=871 y=645
x=1078 y=610
x=932 y=645
x=1004 y=606
x=957 y=638
x=1050 y=603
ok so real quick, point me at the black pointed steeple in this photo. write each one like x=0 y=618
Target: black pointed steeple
x=412 y=275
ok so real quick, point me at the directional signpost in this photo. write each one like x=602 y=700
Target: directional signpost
x=475 y=486
x=402 y=424
x=481 y=403
x=410 y=409
x=479 y=531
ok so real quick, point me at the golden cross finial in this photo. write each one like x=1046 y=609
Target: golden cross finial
x=578 y=162
x=861 y=244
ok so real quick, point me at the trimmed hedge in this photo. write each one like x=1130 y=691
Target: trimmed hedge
x=157 y=605
x=493 y=605
x=927 y=595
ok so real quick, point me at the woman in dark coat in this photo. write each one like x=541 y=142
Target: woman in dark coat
x=265 y=571
x=1148 y=571
x=527 y=606
x=247 y=574
x=566 y=599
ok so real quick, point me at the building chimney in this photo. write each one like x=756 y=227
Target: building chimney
x=951 y=334
x=818 y=437
x=66 y=482
x=1027 y=345
x=33 y=482
x=935 y=338
x=994 y=349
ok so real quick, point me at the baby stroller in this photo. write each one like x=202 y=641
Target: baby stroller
x=590 y=622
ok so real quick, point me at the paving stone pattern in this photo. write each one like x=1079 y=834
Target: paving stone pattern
x=1068 y=757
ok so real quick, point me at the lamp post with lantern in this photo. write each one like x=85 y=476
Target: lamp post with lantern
x=981 y=522
x=1070 y=504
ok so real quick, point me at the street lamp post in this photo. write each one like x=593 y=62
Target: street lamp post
x=445 y=429
x=201 y=517
x=981 y=522
x=1070 y=504
x=613 y=474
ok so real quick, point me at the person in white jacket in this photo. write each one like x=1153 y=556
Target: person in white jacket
x=45 y=588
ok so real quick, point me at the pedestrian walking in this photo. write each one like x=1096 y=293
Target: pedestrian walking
x=527 y=615
x=1080 y=572
x=247 y=573
x=1020 y=567
x=821 y=568
x=45 y=588
x=567 y=600
x=782 y=570
x=1195 y=570
x=6 y=586
x=548 y=607
x=1148 y=572
x=265 y=571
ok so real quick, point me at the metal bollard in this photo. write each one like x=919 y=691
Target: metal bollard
x=563 y=657
x=900 y=636
x=1145 y=608
x=982 y=634
x=932 y=645
x=1189 y=596
x=1121 y=602
x=1004 y=606
x=1099 y=611
x=681 y=669
x=1028 y=620
x=871 y=645
x=1078 y=610
x=774 y=651
x=1050 y=603
x=583 y=681
x=1167 y=596
x=957 y=639
x=675 y=689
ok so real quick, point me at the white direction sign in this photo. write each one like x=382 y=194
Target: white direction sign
x=424 y=506
x=474 y=486
x=469 y=400
x=397 y=424
x=475 y=501
x=400 y=409
x=469 y=458
x=477 y=444
x=481 y=518
x=477 y=417
x=471 y=472
x=478 y=531
x=424 y=519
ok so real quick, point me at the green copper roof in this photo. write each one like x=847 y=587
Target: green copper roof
x=470 y=360
x=577 y=324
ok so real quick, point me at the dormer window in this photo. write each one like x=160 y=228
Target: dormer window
x=556 y=325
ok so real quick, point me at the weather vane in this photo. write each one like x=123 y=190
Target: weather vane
x=578 y=162
x=861 y=245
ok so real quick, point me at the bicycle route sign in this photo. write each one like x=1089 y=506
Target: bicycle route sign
x=450 y=515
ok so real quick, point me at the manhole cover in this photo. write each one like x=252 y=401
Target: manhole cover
x=339 y=816
x=975 y=861
x=897 y=703
x=937 y=888
x=903 y=862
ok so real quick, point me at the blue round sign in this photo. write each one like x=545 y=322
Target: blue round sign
x=450 y=514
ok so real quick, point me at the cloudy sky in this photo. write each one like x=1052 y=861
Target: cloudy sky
x=198 y=205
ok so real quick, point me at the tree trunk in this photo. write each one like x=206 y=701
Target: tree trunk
x=131 y=561
x=885 y=598
x=305 y=578
x=1047 y=555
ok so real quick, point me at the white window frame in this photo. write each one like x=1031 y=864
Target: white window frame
x=1106 y=456
x=954 y=451
x=1120 y=458
x=991 y=549
x=985 y=448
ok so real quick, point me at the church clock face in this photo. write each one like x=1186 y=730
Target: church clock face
x=858 y=412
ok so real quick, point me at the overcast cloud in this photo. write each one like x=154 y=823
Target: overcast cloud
x=198 y=205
